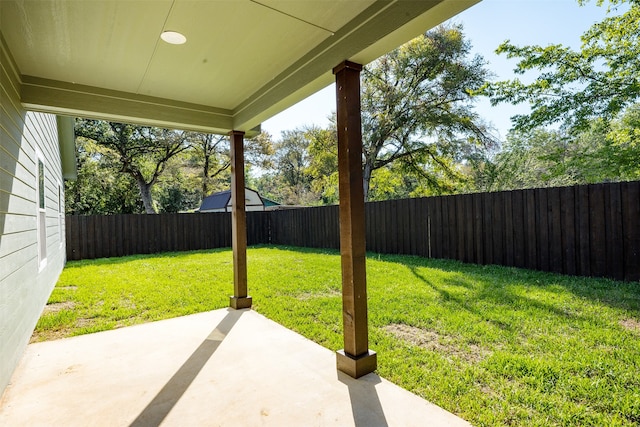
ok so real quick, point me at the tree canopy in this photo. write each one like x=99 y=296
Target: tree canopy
x=172 y=170
x=140 y=151
x=573 y=87
x=417 y=109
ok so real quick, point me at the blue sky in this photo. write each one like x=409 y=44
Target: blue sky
x=486 y=25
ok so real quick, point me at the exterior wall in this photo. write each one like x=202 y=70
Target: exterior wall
x=25 y=281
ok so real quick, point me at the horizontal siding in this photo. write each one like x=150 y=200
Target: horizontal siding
x=19 y=204
x=24 y=287
x=15 y=242
x=13 y=223
x=11 y=185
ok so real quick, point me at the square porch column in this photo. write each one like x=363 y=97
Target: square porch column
x=355 y=359
x=238 y=223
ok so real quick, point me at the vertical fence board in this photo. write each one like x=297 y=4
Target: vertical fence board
x=450 y=201
x=426 y=218
x=465 y=236
x=73 y=248
x=542 y=225
x=91 y=238
x=530 y=232
x=631 y=230
x=437 y=226
x=518 y=224
x=412 y=228
x=498 y=227
x=555 y=231
x=615 y=261
x=382 y=229
x=477 y=229
x=406 y=226
x=487 y=227
x=459 y=225
x=582 y=230
x=567 y=221
x=508 y=228
x=391 y=228
x=597 y=230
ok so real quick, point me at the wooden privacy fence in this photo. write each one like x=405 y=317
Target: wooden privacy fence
x=590 y=230
x=99 y=236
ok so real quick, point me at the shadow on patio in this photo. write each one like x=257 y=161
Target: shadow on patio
x=222 y=367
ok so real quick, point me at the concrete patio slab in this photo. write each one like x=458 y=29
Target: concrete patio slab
x=220 y=368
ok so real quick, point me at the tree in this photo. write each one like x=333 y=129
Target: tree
x=323 y=162
x=141 y=152
x=574 y=87
x=605 y=151
x=417 y=109
x=289 y=180
x=98 y=190
x=213 y=153
x=537 y=158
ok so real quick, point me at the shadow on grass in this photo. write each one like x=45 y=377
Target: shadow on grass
x=131 y=258
x=492 y=282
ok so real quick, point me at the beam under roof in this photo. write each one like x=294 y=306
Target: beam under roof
x=244 y=61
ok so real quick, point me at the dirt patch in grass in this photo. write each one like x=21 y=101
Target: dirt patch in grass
x=58 y=306
x=83 y=323
x=67 y=288
x=305 y=296
x=48 y=336
x=630 y=324
x=431 y=340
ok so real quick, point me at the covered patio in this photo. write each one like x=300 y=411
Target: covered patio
x=237 y=63
x=220 y=368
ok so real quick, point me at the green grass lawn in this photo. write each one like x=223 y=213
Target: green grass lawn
x=495 y=345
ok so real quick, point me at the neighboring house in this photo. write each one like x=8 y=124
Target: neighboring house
x=36 y=154
x=221 y=202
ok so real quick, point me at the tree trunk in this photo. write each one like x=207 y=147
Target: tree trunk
x=205 y=176
x=366 y=179
x=145 y=195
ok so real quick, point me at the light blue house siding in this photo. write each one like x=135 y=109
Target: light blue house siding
x=32 y=252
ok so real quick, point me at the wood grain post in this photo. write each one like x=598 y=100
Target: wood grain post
x=240 y=299
x=355 y=359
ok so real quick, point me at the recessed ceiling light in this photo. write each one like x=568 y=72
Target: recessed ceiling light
x=173 y=37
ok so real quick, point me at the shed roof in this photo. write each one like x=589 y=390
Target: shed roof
x=216 y=201
x=222 y=200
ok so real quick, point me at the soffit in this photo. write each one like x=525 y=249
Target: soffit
x=244 y=60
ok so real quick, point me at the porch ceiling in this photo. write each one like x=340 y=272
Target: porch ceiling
x=244 y=60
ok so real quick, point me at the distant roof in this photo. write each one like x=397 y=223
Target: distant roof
x=222 y=200
x=268 y=202
x=216 y=201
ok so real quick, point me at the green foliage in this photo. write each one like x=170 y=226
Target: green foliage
x=323 y=165
x=495 y=345
x=420 y=133
x=133 y=169
x=576 y=86
x=293 y=170
x=605 y=152
x=139 y=151
x=417 y=109
x=210 y=157
x=99 y=188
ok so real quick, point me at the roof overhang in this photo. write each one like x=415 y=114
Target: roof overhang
x=244 y=60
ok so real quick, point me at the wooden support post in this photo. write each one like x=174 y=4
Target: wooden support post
x=355 y=359
x=238 y=223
